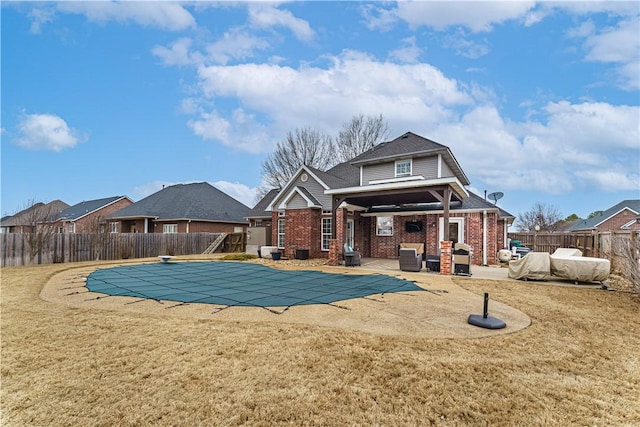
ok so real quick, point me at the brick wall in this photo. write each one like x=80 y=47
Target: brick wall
x=617 y=221
x=86 y=224
x=303 y=231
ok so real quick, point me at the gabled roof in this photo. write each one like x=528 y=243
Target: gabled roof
x=409 y=145
x=81 y=209
x=198 y=201
x=592 y=223
x=38 y=211
x=260 y=209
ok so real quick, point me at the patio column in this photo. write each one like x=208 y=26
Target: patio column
x=334 y=252
x=445 y=258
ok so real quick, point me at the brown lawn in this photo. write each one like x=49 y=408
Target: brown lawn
x=577 y=363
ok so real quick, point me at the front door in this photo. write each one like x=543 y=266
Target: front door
x=456 y=228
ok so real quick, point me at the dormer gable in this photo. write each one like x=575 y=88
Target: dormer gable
x=408 y=158
x=304 y=189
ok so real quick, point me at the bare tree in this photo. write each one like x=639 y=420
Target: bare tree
x=99 y=235
x=547 y=217
x=360 y=135
x=626 y=248
x=39 y=226
x=306 y=146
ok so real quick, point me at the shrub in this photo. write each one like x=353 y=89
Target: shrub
x=239 y=257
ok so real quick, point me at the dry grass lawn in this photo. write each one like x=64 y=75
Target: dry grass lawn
x=72 y=365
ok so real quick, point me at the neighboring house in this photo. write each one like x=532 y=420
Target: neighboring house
x=183 y=208
x=90 y=216
x=259 y=216
x=408 y=190
x=28 y=219
x=622 y=216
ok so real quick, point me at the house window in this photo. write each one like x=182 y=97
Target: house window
x=170 y=228
x=326 y=233
x=71 y=228
x=281 y=233
x=113 y=227
x=403 y=168
x=258 y=223
x=384 y=226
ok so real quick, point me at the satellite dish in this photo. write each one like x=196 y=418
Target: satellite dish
x=495 y=196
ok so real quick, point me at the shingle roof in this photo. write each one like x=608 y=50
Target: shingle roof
x=86 y=207
x=410 y=145
x=592 y=223
x=406 y=144
x=197 y=201
x=342 y=175
x=259 y=210
x=51 y=210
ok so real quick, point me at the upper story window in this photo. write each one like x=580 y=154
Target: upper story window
x=403 y=168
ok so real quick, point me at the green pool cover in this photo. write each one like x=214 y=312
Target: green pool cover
x=239 y=284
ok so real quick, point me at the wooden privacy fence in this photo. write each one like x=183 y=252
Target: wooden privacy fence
x=59 y=248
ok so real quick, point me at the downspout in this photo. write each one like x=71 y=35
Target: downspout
x=484 y=237
x=146 y=225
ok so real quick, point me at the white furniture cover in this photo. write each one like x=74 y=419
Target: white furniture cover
x=570 y=264
x=533 y=266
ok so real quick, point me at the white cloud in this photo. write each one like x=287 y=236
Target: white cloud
x=241 y=131
x=589 y=145
x=466 y=47
x=263 y=15
x=291 y=98
x=477 y=16
x=235 y=44
x=618 y=45
x=46 y=132
x=40 y=16
x=409 y=53
x=179 y=53
x=164 y=15
x=238 y=191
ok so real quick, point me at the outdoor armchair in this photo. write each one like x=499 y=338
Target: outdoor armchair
x=410 y=260
x=351 y=256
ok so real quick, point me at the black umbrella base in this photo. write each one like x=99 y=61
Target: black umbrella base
x=487 y=322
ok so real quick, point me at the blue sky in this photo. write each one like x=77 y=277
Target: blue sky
x=537 y=100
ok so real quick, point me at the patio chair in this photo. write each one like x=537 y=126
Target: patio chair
x=410 y=260
x=351 y=256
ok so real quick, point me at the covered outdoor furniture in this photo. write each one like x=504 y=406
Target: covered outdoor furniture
x=410 y=260
x=351 y=256
x=534 y=266
x=462 y=259
x=419 y=247
x=567 y=263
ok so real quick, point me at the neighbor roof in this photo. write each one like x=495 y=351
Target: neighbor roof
x=260 y=209
x=81 y=209
x=592 y=223
x=52 y=210
x=198 y=201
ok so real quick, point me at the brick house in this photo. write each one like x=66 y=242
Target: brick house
x=28 y=219
x=408 y=190
x=183 y=208
x=90 y=216
x=623 y=216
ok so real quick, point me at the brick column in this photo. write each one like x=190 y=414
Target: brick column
x=445 y=258
x=334 y=252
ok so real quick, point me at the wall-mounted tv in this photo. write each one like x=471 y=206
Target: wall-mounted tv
x=413 y=226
